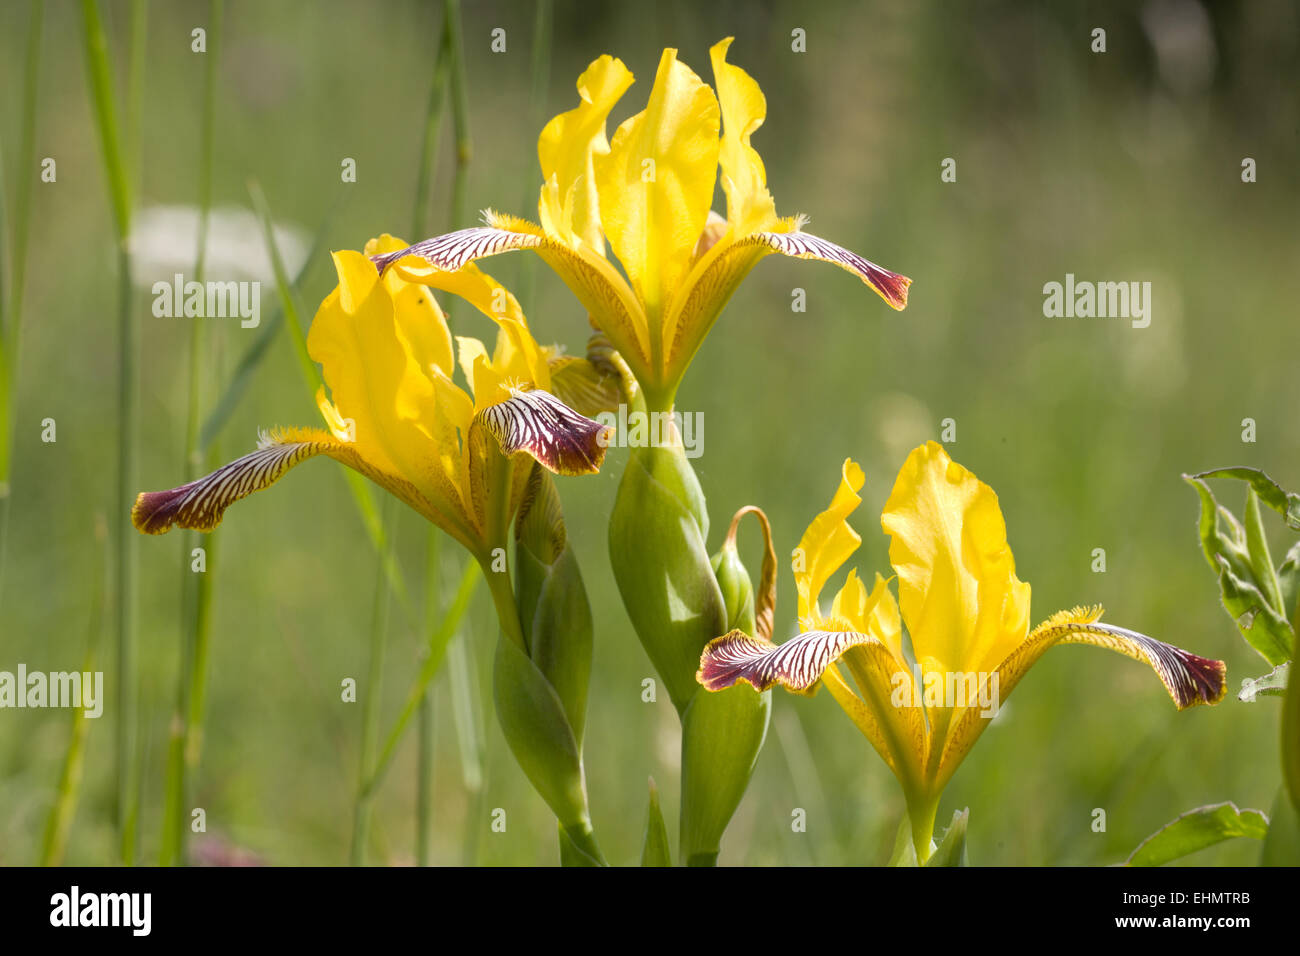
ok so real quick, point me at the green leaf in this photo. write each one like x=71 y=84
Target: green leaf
x=1272 y=684
x=1282 y=843
x=1284 y=502
x=1288 y=579
x=1196 y=830
x=1216 y=542
x=951 y=850
x=654 y=849
x=1261 y=562
x=1262 y=627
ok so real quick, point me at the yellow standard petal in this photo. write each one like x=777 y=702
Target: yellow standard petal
x=569 y=208
x=750 y=207
x=964 y=607
x=656 y=183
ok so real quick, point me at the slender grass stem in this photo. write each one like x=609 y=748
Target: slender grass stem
x=373 y=696
x=541 y=76
x=185 y=738
x=434 y=656
x=425 y=727
x=128 y=760
x=58 y=824
x=11 y=294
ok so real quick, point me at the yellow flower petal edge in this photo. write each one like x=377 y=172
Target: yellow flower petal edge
x=570 y=205
x=827 y=543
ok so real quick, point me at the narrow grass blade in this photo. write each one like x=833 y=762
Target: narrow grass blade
x=128 y=765
x=435 y=653
x=59 y=822
x=373 y=697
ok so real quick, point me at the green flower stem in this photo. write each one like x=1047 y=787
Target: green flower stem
x=922 y=813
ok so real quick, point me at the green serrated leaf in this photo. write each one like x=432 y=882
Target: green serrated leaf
x=1262 y=627
x=654 y=849
x=1288 y=579
x=1196 y=830
x=951 y=850
x=1284 y=502
x=1261 y=562
x=1272 y=684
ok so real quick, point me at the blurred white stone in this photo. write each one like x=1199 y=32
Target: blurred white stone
x=164 y=241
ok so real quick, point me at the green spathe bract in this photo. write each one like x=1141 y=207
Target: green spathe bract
x=541 y=688
x=657 y=537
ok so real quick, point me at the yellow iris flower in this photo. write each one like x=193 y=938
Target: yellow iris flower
x=397 y=417
x=649 y=191
x=967 y=616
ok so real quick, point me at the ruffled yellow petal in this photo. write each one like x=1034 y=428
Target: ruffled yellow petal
x=827 y=543
x=656 y=183
x=750 y=207
x=382 y=389
x=569 y=208
x=964 y=607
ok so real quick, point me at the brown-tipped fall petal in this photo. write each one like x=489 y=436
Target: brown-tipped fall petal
x=455 y=249
x=798 y=664
x=890 y=286
x=200 y=504
x=538 y=423
x=1189 y=678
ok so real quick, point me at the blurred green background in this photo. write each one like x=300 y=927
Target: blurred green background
x=1123 y=166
